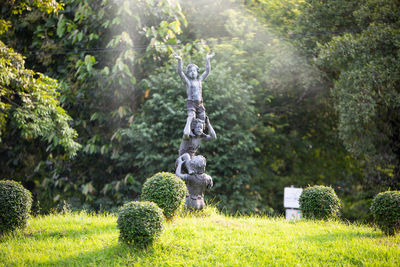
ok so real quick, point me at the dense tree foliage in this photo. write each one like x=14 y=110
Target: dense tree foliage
x=366 y=90
x=357 y=50
x=296 y=138
x=29 y=105
x=300 y=93
x=33 y=125
x=98 y=50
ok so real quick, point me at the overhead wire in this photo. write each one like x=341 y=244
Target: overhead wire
x=142 y=47
x=98 y=50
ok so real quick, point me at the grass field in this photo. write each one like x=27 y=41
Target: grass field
x=80 y=239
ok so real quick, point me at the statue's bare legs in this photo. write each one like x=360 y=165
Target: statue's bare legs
x=186 y=131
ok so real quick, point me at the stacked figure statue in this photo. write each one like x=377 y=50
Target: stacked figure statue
x=197 y=129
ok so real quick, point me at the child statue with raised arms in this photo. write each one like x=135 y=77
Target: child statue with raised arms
x=195 y=107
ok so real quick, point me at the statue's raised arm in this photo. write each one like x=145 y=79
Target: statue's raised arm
x=178 y=171
x=180 y=71
x=208 y=67
x=211 y=133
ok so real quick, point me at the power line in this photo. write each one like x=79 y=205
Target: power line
x=99 y=50
x=143 y=47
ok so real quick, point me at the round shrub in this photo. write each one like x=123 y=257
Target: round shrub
x=140 y=223
x=166 y=190
x=15 y=206
x=386 y=211
x=319 y=202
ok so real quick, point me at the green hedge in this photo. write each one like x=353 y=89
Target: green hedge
x=140 y=223
x=319 y=202
x=15 y=206
x=165 y=189
x=386 y=211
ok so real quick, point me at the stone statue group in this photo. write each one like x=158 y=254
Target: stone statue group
x=191 y=167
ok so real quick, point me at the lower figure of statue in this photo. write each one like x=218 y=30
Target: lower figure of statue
x=191 y=145
x=195 y=204
x=195 y=110
x=197 y=182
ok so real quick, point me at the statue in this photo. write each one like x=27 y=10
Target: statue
x=195 y=107
x=192 y=144
x=197 y=182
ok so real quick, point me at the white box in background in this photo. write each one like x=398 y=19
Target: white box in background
x=291 y=197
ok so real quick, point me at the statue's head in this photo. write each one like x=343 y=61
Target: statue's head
x=198 y=127
x=192 y=71
x=198 y=164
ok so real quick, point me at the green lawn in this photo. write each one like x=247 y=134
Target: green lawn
x=79 y=239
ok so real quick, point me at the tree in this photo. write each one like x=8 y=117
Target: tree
x=296 y=137
x=29 y=105
x=99 y=51
x=13 y=8
x=33 y=125
x=353 y=43
x=365 y=68
x=319 y=21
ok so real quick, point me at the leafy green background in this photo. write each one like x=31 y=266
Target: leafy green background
x=300 y=93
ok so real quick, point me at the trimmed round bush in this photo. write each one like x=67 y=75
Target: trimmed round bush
x=319 y=202
x=386 y=211
x=140 y=223
x=165 y=189
x=15 y=206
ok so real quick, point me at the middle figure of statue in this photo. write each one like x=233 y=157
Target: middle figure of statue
x=195 y=107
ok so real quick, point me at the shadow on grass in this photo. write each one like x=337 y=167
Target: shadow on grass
x=73 y=233
x=346 y=236
x=118 y=254
x=45 y=234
